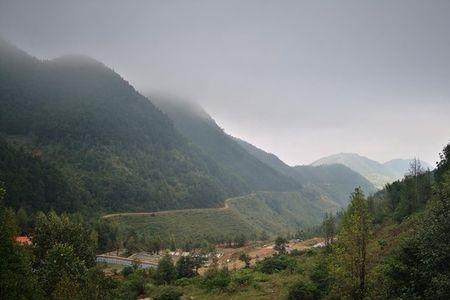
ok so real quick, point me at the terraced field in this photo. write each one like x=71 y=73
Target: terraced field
x=272 y=212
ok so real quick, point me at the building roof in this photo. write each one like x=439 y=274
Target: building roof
x=23 y=240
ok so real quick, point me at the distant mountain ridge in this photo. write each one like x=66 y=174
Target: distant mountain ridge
x=400 y=167
x=238 y=156
x=377 y=173
x=335 y=181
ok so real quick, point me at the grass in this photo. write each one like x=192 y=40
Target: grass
x=272 y=212
x=283 y=212
x=188 y=225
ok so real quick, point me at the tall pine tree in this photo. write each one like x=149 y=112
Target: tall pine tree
x=351 y=252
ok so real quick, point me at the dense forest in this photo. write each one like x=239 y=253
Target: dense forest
x=33 y=184
x=196 y=125
x=72 y=124
x=393 y=245
x=106 y=140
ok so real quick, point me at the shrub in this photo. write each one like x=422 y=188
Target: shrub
x=185 y=267
x=277 y=263
x=166 y=272
x=184 y=281
x=321 y=277
x=301 y=290
x=296 y=252
x=216 y=280
x=242 y=278
x=168 y=293
x=127 y=271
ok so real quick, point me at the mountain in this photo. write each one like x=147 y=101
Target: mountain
x=196 y=125
x=111 y=145
x=282 y=212
x=274 y=213
x=259 y=169
x=86 y=132
x=400 y=167
x=374 y=171
x=335 y=181
x=377 y=173
x=33 y=184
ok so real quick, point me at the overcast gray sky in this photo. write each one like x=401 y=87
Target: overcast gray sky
x=301 y=79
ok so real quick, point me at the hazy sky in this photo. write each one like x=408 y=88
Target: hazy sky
x=301 y=79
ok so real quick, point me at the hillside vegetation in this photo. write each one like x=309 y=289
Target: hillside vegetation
x=190 y=226
x=283 y=212
x=111 y=144
x=269 y=213
x=196 y=125
x=259 y=169
x=34 y=184
x=377 y=173
x=334 y=181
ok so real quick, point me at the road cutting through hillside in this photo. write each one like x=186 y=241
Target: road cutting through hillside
x=166 y=212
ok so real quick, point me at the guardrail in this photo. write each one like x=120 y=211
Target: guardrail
x=116 y=260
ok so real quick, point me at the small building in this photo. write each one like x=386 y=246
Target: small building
x=23 y=240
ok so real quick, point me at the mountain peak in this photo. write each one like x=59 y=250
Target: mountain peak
x=77 y=59
x=374 y=171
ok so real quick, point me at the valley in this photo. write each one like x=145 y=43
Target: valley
x=107 y=193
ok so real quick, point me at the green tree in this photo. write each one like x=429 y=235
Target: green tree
x=17 y=280
x=246 y=259
x=216 y=280
x=280 y=244
x=98 y=286
x=302 y=290
x=52 y=229
x=67 y=288
x=64 y=251
x=168 y=293
x=329 y=229
x=186 y=267
x=420 y=268
x=61 y=263
x=350 y=259
x=166 y=272
x=320 y=275
x=239 y=240
x=300 y=235
x=264 y=236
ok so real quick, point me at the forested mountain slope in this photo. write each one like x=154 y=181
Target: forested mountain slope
x=336 y=181
x=282 y=212
x=374 y=171
x=253 y=215
x=110 y=143
x=34 y=184
x=411 y=217
x=194 y=123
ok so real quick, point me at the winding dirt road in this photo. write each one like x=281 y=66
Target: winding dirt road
x=166 y=212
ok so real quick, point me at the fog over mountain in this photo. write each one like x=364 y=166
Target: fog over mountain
x=301 y=79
